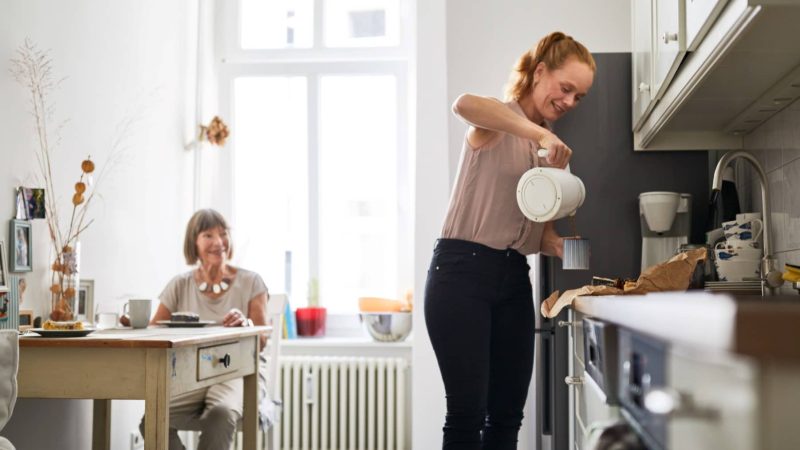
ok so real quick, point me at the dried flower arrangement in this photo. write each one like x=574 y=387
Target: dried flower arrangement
x=216 y=132
x=32 y=68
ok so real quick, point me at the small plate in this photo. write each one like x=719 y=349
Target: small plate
x=180 y=324
x=62 y=333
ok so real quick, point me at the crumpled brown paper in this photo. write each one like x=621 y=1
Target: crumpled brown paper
x=673 y=275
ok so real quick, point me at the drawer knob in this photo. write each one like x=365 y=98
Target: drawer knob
x=226 y=360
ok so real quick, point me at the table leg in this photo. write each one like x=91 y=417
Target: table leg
x=156 y=401
x=101 y=426
x=250 y=410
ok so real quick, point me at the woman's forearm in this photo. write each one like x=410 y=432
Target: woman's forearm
x=491 y=114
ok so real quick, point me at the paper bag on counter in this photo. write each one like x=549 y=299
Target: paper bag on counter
x=673 y=275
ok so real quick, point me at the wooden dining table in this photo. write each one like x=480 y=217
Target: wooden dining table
x=153 y=364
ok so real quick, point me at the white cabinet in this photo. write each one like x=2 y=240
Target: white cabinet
x=659 y=45
x=702 y=70
x=700 y=14
x=642 y=60
x=669 y=19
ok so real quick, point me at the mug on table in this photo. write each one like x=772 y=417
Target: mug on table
x=138 y=312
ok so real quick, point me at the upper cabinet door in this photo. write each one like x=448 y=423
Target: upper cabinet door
x=642 y=59
x=700 y=15
x=670 y=42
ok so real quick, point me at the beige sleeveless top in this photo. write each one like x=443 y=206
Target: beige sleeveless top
x=483 y=206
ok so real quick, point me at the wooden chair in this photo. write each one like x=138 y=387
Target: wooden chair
x=268 y=438
x=9 y=363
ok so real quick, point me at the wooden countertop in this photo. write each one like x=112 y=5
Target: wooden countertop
x=151 y=337
x=761 y=327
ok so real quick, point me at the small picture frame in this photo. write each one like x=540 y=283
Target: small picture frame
x=84 y=302
x=3 y=270
x=34 y=202
x=25 y=319
x=22 y=208
x=20 y=255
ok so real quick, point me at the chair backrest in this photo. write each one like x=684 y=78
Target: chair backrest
x=275 y=308
x=9 y=363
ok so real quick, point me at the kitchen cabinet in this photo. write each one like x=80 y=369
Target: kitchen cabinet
x=707 y=72
x=669 y=47
x=699 y=370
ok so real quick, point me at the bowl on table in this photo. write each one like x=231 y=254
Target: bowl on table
x=387 y=326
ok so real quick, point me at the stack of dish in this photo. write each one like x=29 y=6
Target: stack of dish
x=734 y=287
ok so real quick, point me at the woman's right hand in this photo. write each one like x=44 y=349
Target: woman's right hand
x=558 y=154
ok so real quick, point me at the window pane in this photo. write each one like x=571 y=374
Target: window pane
x=362 y=23
x=357 y=189
x=271 y=180
x=277 y=23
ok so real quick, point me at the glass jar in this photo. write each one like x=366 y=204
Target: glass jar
x=64 y=283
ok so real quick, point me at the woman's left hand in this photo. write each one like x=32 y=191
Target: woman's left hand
x=234 y=318
x=552 y=244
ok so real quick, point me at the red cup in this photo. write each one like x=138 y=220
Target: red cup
x=310 y=321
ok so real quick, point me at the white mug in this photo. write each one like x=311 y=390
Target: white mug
x=747 y=217
x=138 y=311
x=744 y=231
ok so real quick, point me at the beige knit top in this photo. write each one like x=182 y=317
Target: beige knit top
x=483 y=206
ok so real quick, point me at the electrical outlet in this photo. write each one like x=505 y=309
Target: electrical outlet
x=137 y=441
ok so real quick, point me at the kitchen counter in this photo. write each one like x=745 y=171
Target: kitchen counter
x=766 y=329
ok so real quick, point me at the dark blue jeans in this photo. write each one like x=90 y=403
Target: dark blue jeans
x=480 y=318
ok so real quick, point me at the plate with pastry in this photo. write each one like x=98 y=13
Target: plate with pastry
x=52 y=328
x=182 y=324
x=185 y=319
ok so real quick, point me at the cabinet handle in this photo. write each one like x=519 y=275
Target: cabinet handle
x=644 y=87
x=226 y=360
x=564 y=323
x=670 y=402
x=666 y=37
x=573 y=381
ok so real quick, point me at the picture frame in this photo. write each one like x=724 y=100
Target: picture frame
x=20 y=254
x=25 y=319
x=3 y=269
x=22 y=207
x=84 y=302
x=34 y=202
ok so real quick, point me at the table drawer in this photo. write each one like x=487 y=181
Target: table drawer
x=218 y=360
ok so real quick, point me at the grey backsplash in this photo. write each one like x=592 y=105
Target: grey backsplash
x=776 y=144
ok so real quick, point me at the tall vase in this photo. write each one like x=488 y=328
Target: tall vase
x=64 y=283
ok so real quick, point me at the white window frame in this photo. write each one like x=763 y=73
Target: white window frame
x=234 y=62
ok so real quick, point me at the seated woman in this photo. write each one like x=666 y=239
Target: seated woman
x=216 y=291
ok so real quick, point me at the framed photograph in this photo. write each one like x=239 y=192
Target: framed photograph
x=20 y=254
x=84 y=303
x=22 y=208
x=34 y=202
x=3 y=270
x=25 y=319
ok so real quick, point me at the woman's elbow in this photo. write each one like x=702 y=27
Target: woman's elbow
x=462 y=104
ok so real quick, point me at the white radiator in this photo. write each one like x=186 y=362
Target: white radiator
x=343 y=403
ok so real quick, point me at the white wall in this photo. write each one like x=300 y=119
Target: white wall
x=119 y=59
x=471 y=46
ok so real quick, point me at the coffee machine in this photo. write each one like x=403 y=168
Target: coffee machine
x=666 y=221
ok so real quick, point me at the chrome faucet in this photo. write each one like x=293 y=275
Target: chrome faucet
x=771 y=278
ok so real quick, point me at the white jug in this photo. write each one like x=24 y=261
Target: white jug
x=545 y=194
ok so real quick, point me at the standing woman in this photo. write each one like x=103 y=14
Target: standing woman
x=478 y=296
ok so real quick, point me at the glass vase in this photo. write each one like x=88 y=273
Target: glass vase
x=64 y=283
